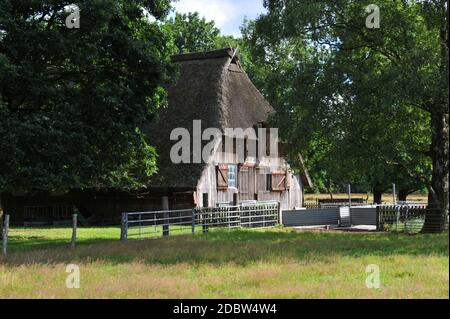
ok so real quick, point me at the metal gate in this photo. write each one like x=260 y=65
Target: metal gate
x=156 y=224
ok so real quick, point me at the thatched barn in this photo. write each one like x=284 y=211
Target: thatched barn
x=213 y=90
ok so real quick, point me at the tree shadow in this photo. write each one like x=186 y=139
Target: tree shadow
x=238 y=246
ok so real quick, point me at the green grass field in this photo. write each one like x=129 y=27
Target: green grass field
x=27 y=238
x=386 y=198
x=271 y=263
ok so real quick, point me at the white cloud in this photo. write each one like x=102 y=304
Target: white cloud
x=228 y=15
x=219 y=11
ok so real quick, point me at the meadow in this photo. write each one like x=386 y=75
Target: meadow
x=269 y=263
x=387 y=198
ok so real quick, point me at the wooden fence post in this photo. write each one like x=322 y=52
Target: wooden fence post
x=193 y=220
x=123 y=227
x=166 y=220
x=74 y=231
x=5 y=235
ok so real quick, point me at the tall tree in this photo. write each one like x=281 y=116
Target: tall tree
x=72 y=99
x=373 y=98
x=190 y=33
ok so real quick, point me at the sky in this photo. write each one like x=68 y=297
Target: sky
x=227 y=14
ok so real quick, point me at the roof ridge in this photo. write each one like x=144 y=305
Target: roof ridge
x=212 y=54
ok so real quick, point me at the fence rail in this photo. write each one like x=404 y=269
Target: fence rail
x=156 y=224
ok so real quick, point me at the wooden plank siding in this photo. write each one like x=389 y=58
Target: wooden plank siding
x=270 y=178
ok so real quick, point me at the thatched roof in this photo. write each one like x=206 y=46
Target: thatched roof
x=213 y=88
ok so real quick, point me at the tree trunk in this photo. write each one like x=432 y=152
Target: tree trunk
x=377 y=196
x=1 y=217
x=403 y=194
x=438 y=193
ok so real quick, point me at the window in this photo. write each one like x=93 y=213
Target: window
x=223 y=143
x=268 y=182
x=245 y=148
x=232 y=175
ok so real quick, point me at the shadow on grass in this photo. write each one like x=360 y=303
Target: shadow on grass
x=22 y=239
x=29 y=244
x=238 y=246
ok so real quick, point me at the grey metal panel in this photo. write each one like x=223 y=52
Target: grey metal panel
x=311 y=217
x=364 y=215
